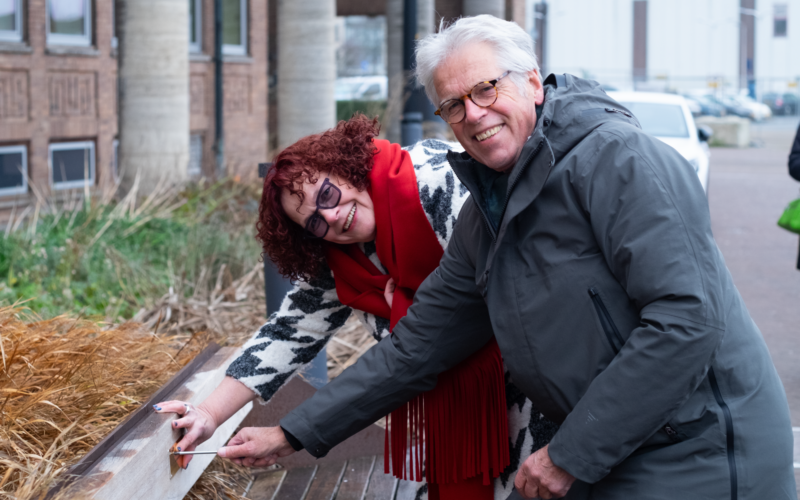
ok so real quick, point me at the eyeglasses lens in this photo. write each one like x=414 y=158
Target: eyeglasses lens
x=484 y=94
x=328 y=196
x=317 y=226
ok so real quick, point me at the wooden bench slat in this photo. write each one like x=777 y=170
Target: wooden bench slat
x=265 y=485
x=295 y=484
x=323 y=486
x=382 y=486
x=356 y=479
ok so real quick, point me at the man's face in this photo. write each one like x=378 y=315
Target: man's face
x=503 y=127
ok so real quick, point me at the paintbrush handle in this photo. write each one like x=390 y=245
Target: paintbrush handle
x=194 y=453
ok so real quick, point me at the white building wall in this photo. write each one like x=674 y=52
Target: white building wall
x=777 y=64
x=591 y=38
x=691 y=43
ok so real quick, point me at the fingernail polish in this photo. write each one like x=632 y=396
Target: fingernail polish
x=175 y=424
x=179 y=448
x=158 y=408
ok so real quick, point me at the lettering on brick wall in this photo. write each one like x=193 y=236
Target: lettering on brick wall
x=197 y=94
x=13 y=95
x=237 y=94
x=71 y=94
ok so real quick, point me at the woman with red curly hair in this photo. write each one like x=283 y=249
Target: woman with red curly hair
x=359 y=223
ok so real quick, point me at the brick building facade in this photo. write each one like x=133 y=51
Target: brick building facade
x=58 y=94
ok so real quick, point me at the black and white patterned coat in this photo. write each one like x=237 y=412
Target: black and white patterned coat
x=311 y=314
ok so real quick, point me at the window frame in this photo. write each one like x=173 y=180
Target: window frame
x=241 y=49
x=84 y=40
x=196 y=174
x=62 y=146
x=115 y=159
x=20 y=148
x=16 y=35
x=196 y=47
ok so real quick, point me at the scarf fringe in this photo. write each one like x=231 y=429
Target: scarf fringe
x=460 y=428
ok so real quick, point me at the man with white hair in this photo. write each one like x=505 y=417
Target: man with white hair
x=586 y=246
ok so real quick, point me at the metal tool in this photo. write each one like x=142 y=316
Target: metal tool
x=193 y=453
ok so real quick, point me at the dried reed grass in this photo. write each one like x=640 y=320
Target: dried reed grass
x=65 y=384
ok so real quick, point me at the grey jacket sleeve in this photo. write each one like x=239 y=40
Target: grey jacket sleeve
x=447 y=322
x=794 y=157
x=651 y=220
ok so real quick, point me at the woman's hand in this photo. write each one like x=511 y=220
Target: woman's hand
x=388 y=292
x=257 y=447
x=198 y=421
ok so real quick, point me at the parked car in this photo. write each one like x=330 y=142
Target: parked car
x=760 y=111
x=361 y=88
x=668 y=118
x=732 y=107
x=782 y=104
x=707 y=106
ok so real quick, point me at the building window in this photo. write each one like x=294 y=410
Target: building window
x=13 y=170
x=11 y=20
x=69 y=22
x=195 y=155
x=195 y=25
x=234 y=27
x=72 y=164
x=779 y=20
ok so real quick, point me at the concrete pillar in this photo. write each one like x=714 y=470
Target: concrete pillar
x=153 y=92
x=496 y=8
x=426 y=17
x=306 y=68
x=394 y=68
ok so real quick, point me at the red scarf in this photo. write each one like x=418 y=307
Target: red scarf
x=461 y=427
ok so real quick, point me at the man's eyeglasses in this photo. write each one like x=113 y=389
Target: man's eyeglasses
x=328 y=196
x=483 y=94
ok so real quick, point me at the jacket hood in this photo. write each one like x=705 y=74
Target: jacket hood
x=573 y=108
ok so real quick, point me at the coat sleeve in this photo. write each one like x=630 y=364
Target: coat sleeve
x=651 y=221
x=309 y=316
x=794 y=157
x=447 y=322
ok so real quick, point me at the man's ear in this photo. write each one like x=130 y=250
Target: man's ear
x=535 y=80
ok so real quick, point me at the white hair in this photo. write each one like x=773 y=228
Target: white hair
x=513 y=48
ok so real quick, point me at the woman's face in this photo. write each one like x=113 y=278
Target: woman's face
x=352 y=220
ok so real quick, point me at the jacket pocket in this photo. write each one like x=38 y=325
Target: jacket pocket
x=609 y=328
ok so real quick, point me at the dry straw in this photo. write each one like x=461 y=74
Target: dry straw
x=66 y=383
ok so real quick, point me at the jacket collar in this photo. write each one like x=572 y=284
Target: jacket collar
x=572 y=109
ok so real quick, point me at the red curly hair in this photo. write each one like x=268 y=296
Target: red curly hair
x=347 y=151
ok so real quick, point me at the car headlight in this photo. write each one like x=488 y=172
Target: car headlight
x=695 y=162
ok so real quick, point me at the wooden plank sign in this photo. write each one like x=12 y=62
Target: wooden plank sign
x=137 y=465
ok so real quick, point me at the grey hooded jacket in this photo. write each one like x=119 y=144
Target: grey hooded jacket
x=614 y=312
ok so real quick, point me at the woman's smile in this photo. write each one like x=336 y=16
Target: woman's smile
x=351 y=218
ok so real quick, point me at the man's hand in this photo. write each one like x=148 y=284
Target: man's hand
x=257 y=447
x=539 y=477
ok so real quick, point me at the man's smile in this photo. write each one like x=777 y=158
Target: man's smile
x=488 y=133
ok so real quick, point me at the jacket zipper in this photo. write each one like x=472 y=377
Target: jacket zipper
x=712 y=378
x=609 y=328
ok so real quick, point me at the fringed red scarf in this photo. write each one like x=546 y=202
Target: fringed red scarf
x=461 y=426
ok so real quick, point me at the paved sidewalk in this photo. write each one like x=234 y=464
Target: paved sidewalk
x=749 y=189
